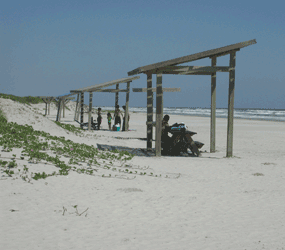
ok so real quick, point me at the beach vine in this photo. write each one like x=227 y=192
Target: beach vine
x=66 y=155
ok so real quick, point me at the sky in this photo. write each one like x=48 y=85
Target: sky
x=48 y=48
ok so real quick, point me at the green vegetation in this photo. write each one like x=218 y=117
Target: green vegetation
x=65 y=155
x=26 y=99
x=69 y=127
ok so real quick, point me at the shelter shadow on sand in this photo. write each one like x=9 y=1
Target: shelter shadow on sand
x=136 y=151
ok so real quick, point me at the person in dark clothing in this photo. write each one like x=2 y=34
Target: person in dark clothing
x=117 y=115
x=99 y=118
x=165 y=139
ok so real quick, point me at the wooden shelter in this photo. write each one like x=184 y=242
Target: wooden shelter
x=61 y=101
x=170 y=67
x=100 y=88
x=47 y=100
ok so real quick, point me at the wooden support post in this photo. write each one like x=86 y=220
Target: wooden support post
x=90 y=110
x=50 y=100
x=78 y=108
x=45 y=101
x=81 y=109
x=149 y=112
x=213 y=108
x=58 y=117
x=231 y=104
x=159 y=97
x=127 y=107
x=75 y=113
x=117 y=96
x=63 y=108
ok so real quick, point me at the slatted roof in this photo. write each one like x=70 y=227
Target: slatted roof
x=99 y=86
x=209 y=53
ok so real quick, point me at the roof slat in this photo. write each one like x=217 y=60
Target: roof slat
x=209 y=53
x=105 y=84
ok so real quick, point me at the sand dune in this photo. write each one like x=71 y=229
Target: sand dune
x=207 y=202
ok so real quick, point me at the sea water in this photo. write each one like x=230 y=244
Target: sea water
x=250 y=113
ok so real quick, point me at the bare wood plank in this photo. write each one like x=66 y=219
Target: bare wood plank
x=154 y=89
x=192 y=57
x=90 y=110
x=149 y=135
x=81 y=109
x=63 y=107
x=106 y=84
x=76 y=107
x=213 y=108
x=58 y=117
x=231 y=104
x=117 y=96
x=127 y=108
x=111 y=90
x=159 y=96
x=190 y=69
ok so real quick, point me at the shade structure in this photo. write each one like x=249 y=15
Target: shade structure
x=170 y=67
x=101 y=88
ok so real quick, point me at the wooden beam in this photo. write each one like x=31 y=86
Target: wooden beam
x=231 y=104
x=127 y=107
x=90 y=110
x=193 y=57
x=213 y=108
x=149 y=112
x=63 y=107
x=117 y=96
x=184 y=70
x=111 y=90
x=81 y=109
x=76 y=111
x=159 y=96
x=205 y=69
x=58 y=117
x=154 y=89
x=104 y=85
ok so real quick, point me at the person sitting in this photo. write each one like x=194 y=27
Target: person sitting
x=165 y=138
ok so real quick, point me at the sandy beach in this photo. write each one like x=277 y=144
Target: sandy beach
x=207 y=202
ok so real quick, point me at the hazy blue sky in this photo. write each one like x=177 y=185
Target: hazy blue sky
x=51 y=47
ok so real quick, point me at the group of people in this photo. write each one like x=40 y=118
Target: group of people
x=117 y=118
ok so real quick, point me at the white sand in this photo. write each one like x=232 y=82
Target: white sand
x=216 y=203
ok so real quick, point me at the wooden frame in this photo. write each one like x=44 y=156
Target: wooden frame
x=99 y=88
x=170 y=67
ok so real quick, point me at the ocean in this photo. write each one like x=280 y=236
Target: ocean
x=251 y=114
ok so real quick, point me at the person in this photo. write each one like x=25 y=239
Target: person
x=99 y=118
x=117 y=115
x=109 y=118
x=124 y=107
x=165 y=138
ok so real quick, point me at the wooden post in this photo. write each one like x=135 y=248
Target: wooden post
x=149 y=112
x=127 y=107
x=78 y=108
x=213 y=108
x=50 y=100
x=90 y=110
x=75 y=113
x=231 y=104
x=58 y=117
x=63 y=108
x=159 y=97
x=117 y=96
x=45 y=101
x=81 y=109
